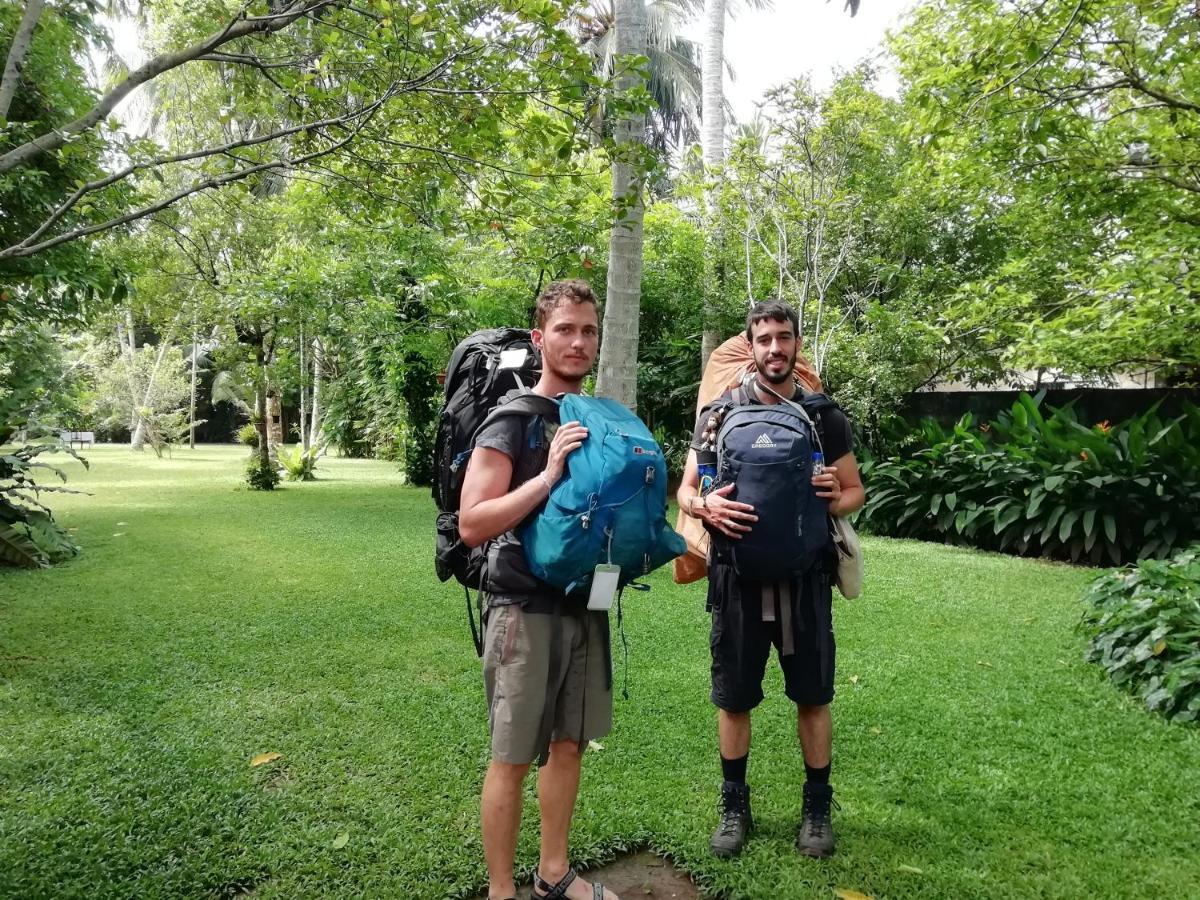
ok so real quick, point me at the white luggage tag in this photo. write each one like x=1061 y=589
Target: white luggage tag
x=604 y=587
x=513 y=359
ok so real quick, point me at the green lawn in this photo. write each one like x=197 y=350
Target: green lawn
x=976 y=755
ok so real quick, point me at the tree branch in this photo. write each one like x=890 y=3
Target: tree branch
x=366 y=114
x=19 y=49
x=238 y=27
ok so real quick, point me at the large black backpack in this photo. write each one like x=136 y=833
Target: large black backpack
x=482 y=369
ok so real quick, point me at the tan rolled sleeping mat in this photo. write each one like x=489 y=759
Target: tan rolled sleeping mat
x=725 y=369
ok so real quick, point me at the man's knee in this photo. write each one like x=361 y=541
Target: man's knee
x=565 y=751
x=806 y=711
x=508 y=773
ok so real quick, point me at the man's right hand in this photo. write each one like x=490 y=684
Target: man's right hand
x=727 y=516
x=569 y=437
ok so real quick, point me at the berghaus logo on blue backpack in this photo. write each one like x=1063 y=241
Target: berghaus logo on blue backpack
x=610 y=506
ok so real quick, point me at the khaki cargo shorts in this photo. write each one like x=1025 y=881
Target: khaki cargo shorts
x=517 y=678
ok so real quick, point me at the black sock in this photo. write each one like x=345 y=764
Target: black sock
x=735 y=769
x=817 y=776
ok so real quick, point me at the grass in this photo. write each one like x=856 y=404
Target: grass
x=976 y=755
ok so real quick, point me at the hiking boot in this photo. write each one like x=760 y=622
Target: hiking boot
x=816 y=828
x=736 y=820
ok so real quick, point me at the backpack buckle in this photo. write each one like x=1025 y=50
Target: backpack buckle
x=650 y=474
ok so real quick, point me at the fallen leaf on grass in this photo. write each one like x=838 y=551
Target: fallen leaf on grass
x=846 y=894
x=341 y=840
x=263 y=758
x=913 y=869
x=118 y=534
x=854 y=679
x=119 y=524
x=984 y=663
x=875 y=729
x=595 y=745
x=1160 y=646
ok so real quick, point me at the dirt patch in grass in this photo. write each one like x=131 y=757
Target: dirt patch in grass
x=637 y=876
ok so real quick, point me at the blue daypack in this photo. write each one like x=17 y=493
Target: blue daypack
x=610 y=506
x=766 y=451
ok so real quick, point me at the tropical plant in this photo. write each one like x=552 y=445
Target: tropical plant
x=248 y=434
x=29 y=536
x=299 y=463
x=673 y=74
x=1047 y=485
x=1143 y=626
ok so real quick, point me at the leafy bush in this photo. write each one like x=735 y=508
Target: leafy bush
x=1046 y=485
x=29 y=536
x=259 y=475
x=299 y=464
x=1144 y=629
x=248 y=435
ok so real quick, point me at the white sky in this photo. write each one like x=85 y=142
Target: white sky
x=801 y=37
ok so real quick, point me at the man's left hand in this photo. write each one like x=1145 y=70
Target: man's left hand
x=827 y=484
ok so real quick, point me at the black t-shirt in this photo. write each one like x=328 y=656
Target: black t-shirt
x=525 y=439
x=832 y=425
x=516 y=438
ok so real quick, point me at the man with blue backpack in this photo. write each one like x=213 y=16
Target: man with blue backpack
x=547 y=668
x=769 y=465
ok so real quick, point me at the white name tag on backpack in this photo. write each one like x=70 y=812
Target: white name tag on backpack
x=513 y=359
x=604 y=586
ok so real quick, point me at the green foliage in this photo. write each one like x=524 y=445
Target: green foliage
x=1046 y=485
x=1143 y=625
x=248 y=434
x=1067 y=132
x=297 y=463
x=259 y=475
x=38 y=386
x=29 y=536
x=146 y=391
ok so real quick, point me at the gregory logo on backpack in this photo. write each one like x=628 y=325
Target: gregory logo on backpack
x=764 y=440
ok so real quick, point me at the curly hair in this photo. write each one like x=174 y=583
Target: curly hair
x=556 y=293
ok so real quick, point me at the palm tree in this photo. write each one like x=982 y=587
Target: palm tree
x=674 y=81
x=617 y=373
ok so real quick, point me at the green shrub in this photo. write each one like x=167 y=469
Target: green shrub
x=299 y=464
x=29 y=536
x=1143 y=623
x=1046 y=485
x=248 y=434
x=259 y=475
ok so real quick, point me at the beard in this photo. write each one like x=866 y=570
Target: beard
x=572 y=371
x=776 y=377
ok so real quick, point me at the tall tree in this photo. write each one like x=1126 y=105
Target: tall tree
x=713 y=146
x=617 y=373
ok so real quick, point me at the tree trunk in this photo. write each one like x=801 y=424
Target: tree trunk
x=137 y=442
x=712 y=113
x=617 y=374
x=303 y=395
x=17 y=52
x=317 y=361
x=195 y=363
x=260 y=406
